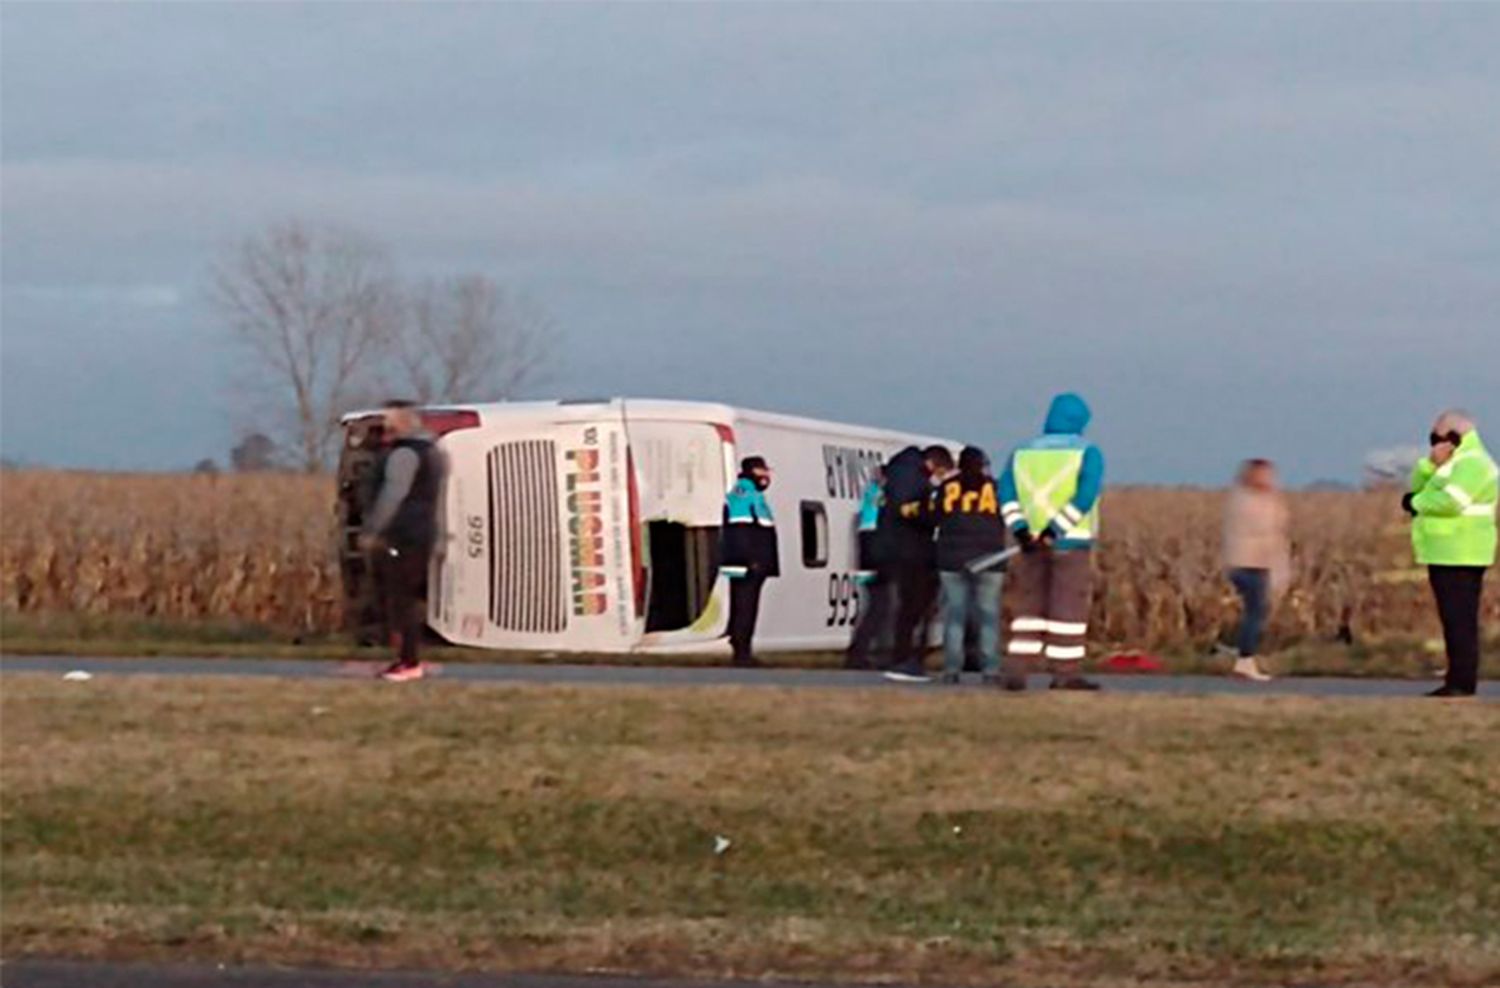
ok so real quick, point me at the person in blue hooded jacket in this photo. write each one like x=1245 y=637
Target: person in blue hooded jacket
x=1049 y=497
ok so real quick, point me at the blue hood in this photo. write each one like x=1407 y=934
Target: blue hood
x=1069 y=415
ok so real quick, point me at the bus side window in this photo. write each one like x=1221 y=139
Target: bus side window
x=814 y=535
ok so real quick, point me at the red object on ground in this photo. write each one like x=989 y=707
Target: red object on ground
x=1132 y=663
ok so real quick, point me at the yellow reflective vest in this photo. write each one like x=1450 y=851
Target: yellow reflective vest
x=1455 y=507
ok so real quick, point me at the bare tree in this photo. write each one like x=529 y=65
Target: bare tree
x=317 y=310
x=466 y=339
x=1390 y=467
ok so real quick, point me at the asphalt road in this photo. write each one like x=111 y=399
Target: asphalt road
x=595 y=675
x=76 y=974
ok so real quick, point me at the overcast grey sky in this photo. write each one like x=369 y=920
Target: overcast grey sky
x=1238 y=230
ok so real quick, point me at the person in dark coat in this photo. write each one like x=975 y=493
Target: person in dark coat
x=908 y=519
x=748 y=554
x=400 y=532
x=966 y=515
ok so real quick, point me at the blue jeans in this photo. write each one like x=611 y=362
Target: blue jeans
x=962 y=591
x=1254 y=589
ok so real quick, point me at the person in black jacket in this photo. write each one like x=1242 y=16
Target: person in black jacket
x=400 y=532
x=966 y=514
x=748 y=553
x=907 y=519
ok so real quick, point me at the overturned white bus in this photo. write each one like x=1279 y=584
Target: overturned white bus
x=594 y=526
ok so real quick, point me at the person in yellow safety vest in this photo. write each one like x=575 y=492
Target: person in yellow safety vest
x=1452 y=503
x=1049 y=497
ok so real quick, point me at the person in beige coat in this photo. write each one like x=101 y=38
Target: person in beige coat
x=1257 y=556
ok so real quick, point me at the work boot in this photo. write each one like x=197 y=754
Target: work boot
x=1073 y=682
x=1450 y=692
x=746 y=662
x=1014 y=684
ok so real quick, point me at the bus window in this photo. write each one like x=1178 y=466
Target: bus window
x=364 y=442
x=814 y=535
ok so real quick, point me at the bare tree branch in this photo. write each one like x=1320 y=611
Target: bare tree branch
x=324 y=324
x=465 y=339
x=316 y=312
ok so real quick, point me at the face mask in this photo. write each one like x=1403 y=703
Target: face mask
x=761 y=483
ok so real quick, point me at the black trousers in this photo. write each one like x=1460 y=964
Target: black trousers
x=874 y=619
x=916 y=593
x=1458 y=590
x=401 y=575
x=744 y=608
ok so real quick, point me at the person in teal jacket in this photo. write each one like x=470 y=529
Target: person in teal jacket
x=748 y=553
x=874 y=577
x=1049 y=499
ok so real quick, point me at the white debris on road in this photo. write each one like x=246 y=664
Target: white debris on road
x=721 y=843
x=78 y=676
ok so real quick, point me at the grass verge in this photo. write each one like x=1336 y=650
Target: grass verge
x=1038 y=840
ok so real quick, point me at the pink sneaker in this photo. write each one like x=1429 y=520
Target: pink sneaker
x=399 y=673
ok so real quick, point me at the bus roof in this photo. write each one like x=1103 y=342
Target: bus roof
x=665 y=409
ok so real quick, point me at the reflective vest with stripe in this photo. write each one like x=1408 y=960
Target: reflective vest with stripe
x=1046 y=481
x=748 y=539
x=869 y=507
x=1455 y=505
x=869 y=524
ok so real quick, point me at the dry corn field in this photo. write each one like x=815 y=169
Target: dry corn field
x=250 y=547
x=260 y=548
